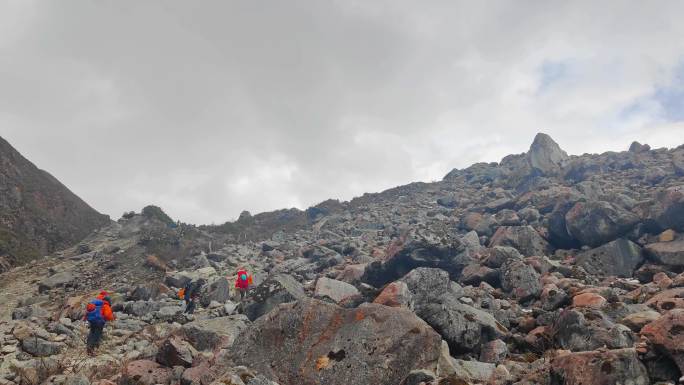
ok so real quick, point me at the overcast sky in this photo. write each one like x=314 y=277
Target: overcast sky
x=208 y=108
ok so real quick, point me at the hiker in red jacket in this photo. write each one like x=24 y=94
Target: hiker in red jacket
x=242 y=282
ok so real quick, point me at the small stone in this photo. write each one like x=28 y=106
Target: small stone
x=667 y=236
x=591 y=300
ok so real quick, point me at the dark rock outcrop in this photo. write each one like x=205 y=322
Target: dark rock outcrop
x=620 y=258
x=595 y=223
x=525 y=239
x=272 y=292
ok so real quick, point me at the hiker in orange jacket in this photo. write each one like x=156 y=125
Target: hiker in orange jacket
x=98 y=313
x=242 y=282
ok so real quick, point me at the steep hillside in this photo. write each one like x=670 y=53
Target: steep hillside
x=544 y=268
x=38 y=214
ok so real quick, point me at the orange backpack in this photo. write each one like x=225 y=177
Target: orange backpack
x=181 y=293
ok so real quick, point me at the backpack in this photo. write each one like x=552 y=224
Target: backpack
x=181 y=293
x=95 y=316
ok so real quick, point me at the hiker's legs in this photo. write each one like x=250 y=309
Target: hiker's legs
x=94 y=337
x=243 y=294
x=191 y=307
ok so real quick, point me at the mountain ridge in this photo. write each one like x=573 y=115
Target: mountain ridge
x=38 y=214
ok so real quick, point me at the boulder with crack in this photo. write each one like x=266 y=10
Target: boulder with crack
x=312 y=342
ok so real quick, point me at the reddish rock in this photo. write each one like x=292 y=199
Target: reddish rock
x=396 y=294
x=668 y=300
x=678 y=280
x=475 y=273
x=198 y=375
x=667 y=335
x=591 y=300
x=154 y=262
x=610 y=367
x=145 y=372
x=662 y=280
x=494 y=352
x=539 y=337
x=352 y=273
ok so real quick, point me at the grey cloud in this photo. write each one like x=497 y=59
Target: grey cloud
x=208 y=108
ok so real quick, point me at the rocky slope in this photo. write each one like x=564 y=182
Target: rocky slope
x=544 y=268
x=38 y=215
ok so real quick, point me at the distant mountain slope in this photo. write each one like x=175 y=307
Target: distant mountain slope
x=38 y=214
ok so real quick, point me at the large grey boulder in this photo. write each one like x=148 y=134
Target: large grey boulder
x=668 y=209
x=175 y=352
x=140 y=308
x=583 y=329
x=25 y=312
x=435 y=299
x=39 y=347
x=667 y=253
x=520 y=279
x=465 y=328
x=145 y=372
x=471 y=371
x=426 y=285
x=209 y=334
x=523 y=238
x=337 y=291
x=596 y=222
x=619 y=258
x=179 y=279
x=60 y=279
x=169 y=313
x=545 y=155
x=314 y=342
x=497 y=255
x=218 y=291
x=281 y=288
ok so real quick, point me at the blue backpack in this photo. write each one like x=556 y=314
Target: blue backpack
x=95 y=316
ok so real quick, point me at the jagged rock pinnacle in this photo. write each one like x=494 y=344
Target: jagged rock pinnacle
x=545 y=154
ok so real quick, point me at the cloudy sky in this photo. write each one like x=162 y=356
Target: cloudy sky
x=207 y=108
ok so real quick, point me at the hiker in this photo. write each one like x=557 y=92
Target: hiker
x=242 y=283
x=191 y=293
x=98 y=313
